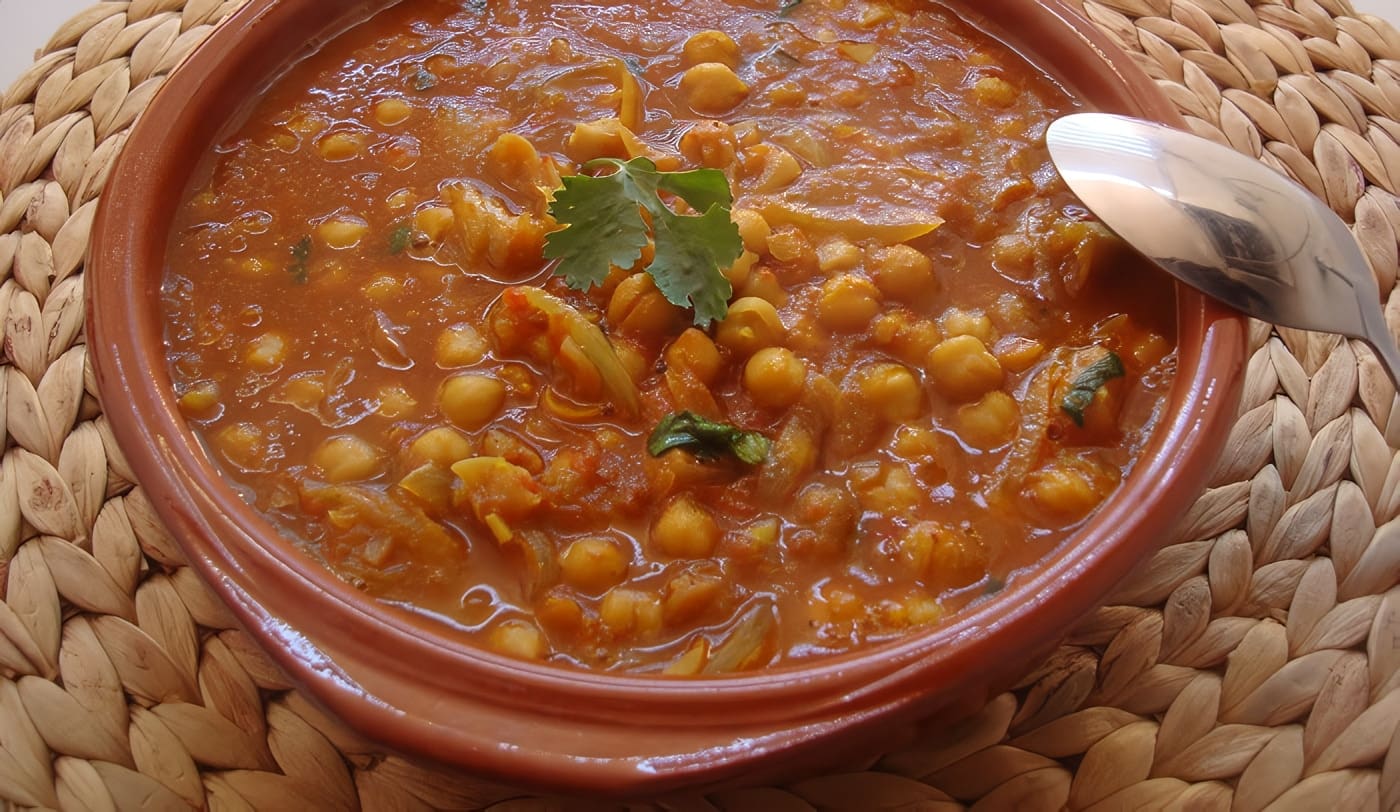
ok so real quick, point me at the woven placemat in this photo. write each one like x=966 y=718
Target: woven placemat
x=1253 y=664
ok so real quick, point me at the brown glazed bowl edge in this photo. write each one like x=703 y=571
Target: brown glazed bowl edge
x=408 y=682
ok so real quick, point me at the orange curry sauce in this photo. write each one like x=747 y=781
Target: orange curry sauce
x=363 y=329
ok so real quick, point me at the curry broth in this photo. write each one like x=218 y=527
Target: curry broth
x=346 y=326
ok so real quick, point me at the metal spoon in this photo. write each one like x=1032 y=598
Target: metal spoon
x=1225 y=224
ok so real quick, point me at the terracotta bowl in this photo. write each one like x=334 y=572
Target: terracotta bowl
x=415 y=685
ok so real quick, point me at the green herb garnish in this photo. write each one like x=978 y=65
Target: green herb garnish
x=706 y=439
x=1087 y=383
x=301 y=252
x=400 y=238
x=788 y=6
x=424 y=79
x=604 y=226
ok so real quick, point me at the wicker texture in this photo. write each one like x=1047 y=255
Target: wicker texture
x=1253 y=664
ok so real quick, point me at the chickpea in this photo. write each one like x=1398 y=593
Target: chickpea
x=990 y=422
x=962 y=369
x=343 y=146
x=944 y=554
x=753 y=229
x=267 y=352
x=917 y=443
x=1011 y=312
x=789 y=245
x=593 y=564
x=995 y=92
x=255 y=266
x=771 y=167
x=633 y=360
x=893 y=391
x=244 y=445
x=685 y=529
x=763 y=284
x=1017 y=353
x=1149 y=350
x=709 y=143
x=597 y=139
x=471 y=400
x=434 y=221
x=775 y=377
x=561 y=615
x=848 y=303
x=710 y=46
x=688 y=595
x=787 y=94
x=636 y=306
x=459 y=346
x=520 y=639
x=630 y=612
x=400 y=152
x=1014 y=255
x=392 y=111
x=346 y=458
x=902 y=272
x=694 y=351
x=738 y=271
x=828 y=517
x=383 y=287
x=395 y=402
x=838 y=254
x=712 y=87
x=343 y=231
x=200 y=399
x=921 y=610
x=874 y=14
x=308 y=123
x=1064 y=489
x=750 y=325
x=959 y=322
x=492 y=486
x=895 y=492
x=441 y=446
x=512 y=449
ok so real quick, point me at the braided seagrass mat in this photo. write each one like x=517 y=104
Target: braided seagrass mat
x=1253 y=664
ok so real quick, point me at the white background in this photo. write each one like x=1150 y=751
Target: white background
x=25 y=25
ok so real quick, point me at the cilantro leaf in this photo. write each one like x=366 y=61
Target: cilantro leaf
x=1087 y=384
x=707 y=439
x=424 y=79
x=400 y=238
x=301 y=252
x=604 y=226
x=701 y=188
x=689 y=253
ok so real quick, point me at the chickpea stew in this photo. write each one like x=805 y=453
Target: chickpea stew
x=685 y=338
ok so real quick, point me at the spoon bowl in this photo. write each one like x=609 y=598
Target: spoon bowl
x=1224 y=224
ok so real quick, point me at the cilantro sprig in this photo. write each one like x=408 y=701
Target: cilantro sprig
x=604 y=226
